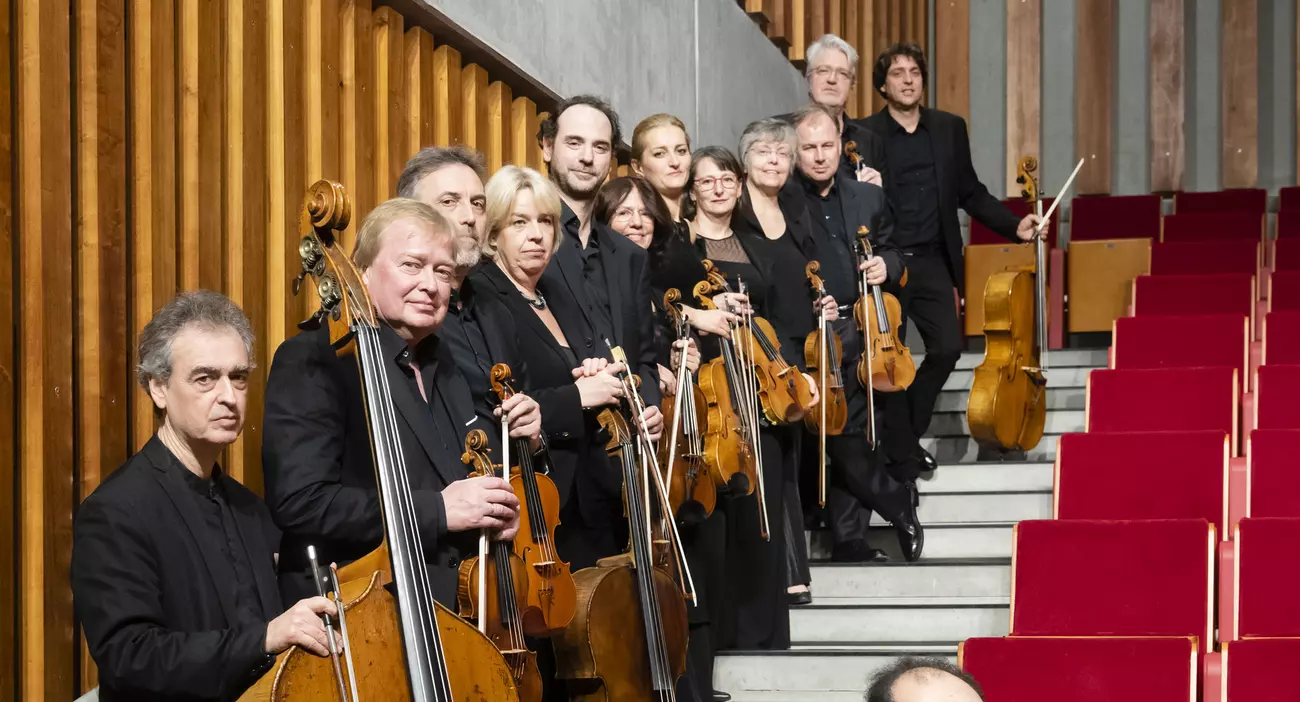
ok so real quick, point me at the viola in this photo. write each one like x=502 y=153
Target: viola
x=407 y=647
x=549 y=595
x=692 y=493
x=886 y=363
x=822 y=351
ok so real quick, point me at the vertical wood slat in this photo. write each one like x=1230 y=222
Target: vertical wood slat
x=419 y=90
x=1239 y=77
x=850 y=24
x=835 y=17
x=166 y=221
x=523 y=115
x=187 y=16
x=389 y=101
x=447 y=121
x=286 y=162
x=816 y=22
x=1024 y=24
x=473 y=105
x=867 y=50
x=1166 y=106
x=321 y=73
x=952 y=56
x=8 y=369
x=880 y=39
x=356 y=123
x=44 y=144
x=497 y=118
x=1094 y=88
x=798 y=26
x=201 y=97
x=779 y=30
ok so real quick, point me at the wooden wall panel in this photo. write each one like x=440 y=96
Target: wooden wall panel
x=389 y=101
x=867 y=50
x=497 y=149
x=852 y=25
x=951 y=73
x=798 y=29
x=880 y=40
x=1239 y=77
x=199 y=144
x=286 y=163
x=815 y=23
x=1166 y=107
x=1094 y=90
x=448 y=127
x=419 y=90
x=779 y=30
x=523 y=115
x=356 y=125
x=473 y=105
x=321 y=73
x=9 y=371
x=835 y=17
x=187 y=20
x=46 y=357
x=1024 y=26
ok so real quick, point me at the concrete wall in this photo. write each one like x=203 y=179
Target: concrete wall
x=702 y=60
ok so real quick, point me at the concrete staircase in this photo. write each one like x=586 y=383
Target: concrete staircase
x=864 y=616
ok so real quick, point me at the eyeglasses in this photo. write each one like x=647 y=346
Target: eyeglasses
x=826 y=71
x=729 y=182
x=766 y=152
x=625 y=214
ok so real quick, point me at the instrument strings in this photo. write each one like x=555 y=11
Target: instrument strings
x=752 y=401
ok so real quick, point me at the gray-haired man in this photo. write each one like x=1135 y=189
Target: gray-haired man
x=832 y=71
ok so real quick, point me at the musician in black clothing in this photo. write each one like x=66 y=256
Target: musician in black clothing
x=320 y=477
x=928 y=176
x=831 y=72
x=661 y=153
x=173 y=561
x=838 y=207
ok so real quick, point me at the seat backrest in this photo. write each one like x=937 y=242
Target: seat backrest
x=1167 y=399
x=1226 y=293
x=1213 y=226
x=1288 y=198
x=1245 y=200
x=1186 y=341
x=1286 y=254
x=1288 y=223
x=1115 y=217
x=1205 y=257
x=1274 y=481
x=1267 y=571
x=1115 y=669
x=1261 y=669
x=980 y=234
x=1113 y=578
x=1277 y=399
x=1284 y=291
x=1143 y=475
x=1282 y=337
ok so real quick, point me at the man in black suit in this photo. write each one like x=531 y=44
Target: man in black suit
x=320 y=478
x=929 y=175
x=607 y=273
x=838 y=206
x=831 y=72
x=173 y=561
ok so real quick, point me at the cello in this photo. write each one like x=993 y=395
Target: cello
x=822 y=351
x=692 y=493
x=886 y=364
x=407 y=647
x=549 y=595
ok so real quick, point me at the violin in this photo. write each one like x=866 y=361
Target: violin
x=407 y=647
x=627 y=642
x=886 y=364
x=1007 y=409
x=692 y=493
x=549 y=595
x=731 y=439
x=822 y=351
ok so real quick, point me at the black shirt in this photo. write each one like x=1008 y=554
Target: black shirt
x=462 y=333
x=834 y=246
x=914 y=187
x=593 y=269
x=227 y=553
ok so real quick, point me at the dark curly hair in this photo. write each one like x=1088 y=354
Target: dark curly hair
x=886 y=59
x=547 y=129
x=882 y=683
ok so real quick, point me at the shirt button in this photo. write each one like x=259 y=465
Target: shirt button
x=589 y=342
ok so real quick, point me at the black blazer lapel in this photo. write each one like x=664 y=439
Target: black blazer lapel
x=517 y=308
x=616 y=269
x=258 y=551
x=416 y=415
x=568 y=261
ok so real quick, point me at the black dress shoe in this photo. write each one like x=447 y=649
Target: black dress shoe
x=719 y=696
x=913 y=494
x=857 y=551
x=799 y=598
x=928 y=464
x=911 y=536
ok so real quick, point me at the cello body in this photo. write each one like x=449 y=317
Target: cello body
x=1008 y=398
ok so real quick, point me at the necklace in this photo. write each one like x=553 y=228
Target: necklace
x=538 y=302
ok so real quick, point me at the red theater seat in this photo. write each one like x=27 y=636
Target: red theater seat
x=1182 y=342
x=1205 y=257
x=1015 y=669
x=1288 y=223
x=1288 y=198
x=1228 y=293
x=1261 y=670
x=1286 y=255
x=1175 y=399
x=1282 y=337
x=1119 y=217
x=1277 y=399
x=1284 y=291
x=1113 y=578
x=1267 y=571
x=1213 y=226
x=980 y=234
x=1132 y=476
x=1245 y=200
x=1274 y=473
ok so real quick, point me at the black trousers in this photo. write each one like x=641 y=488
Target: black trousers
x=928 y=302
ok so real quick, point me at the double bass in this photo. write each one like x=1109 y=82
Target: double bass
x=404 y=648
x=822 y=352
x=692 y=492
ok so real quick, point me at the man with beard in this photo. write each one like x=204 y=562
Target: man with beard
x=929 y=176
x=832 y=71
x=601 y=268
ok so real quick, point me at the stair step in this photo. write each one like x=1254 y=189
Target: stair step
x=989 y=478
x=1064 y=358
x=945 y=424
x=1057 y=399
x=812 y=673
x=944 y=541
x=901 y=620
x=846 y=583
x=984 y=508
x=963 y=449
x=1056 y=378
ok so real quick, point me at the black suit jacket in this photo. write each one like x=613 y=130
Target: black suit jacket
x=160 y=623
x=959 y=186
x=627 y=279
x=320 y=474
x=579 y=463
x=861 y=204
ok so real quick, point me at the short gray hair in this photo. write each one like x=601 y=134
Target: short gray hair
x=767 y=129
x=203 y=309
x=801 y=115
x=830 y=41
x=433 y=158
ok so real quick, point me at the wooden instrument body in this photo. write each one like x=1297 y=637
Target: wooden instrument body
x=837 y=408
x=887 y=365
x=602 y=653
x=783 y=391
x=522 y=662
x=692 y=492
x=548 y=600
x=1008 y=398
x=726 y=452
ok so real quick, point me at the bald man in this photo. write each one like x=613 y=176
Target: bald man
x=923 y=680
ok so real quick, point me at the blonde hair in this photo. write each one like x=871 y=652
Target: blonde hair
x=370 y=234
x=501 y=191
x=645 y=126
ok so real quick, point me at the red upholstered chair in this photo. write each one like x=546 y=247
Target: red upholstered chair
x=1174 y=399
x=980 y=234
x=1288 y=223
x=1117 y=217
x=1205 y=257
x=1213 y=226
x=1266 y=574
x=1284 y=291
x=1277 y=399
x=1261 y=670
x=1131 y=476
x=1182 y=342
x=1282 y=337
x=1113 y=578
x=1228 y=293
x=1274 y=475
x=1119 y=669
x=1286 y=255
x=1245 y=200
x=1288 y=198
